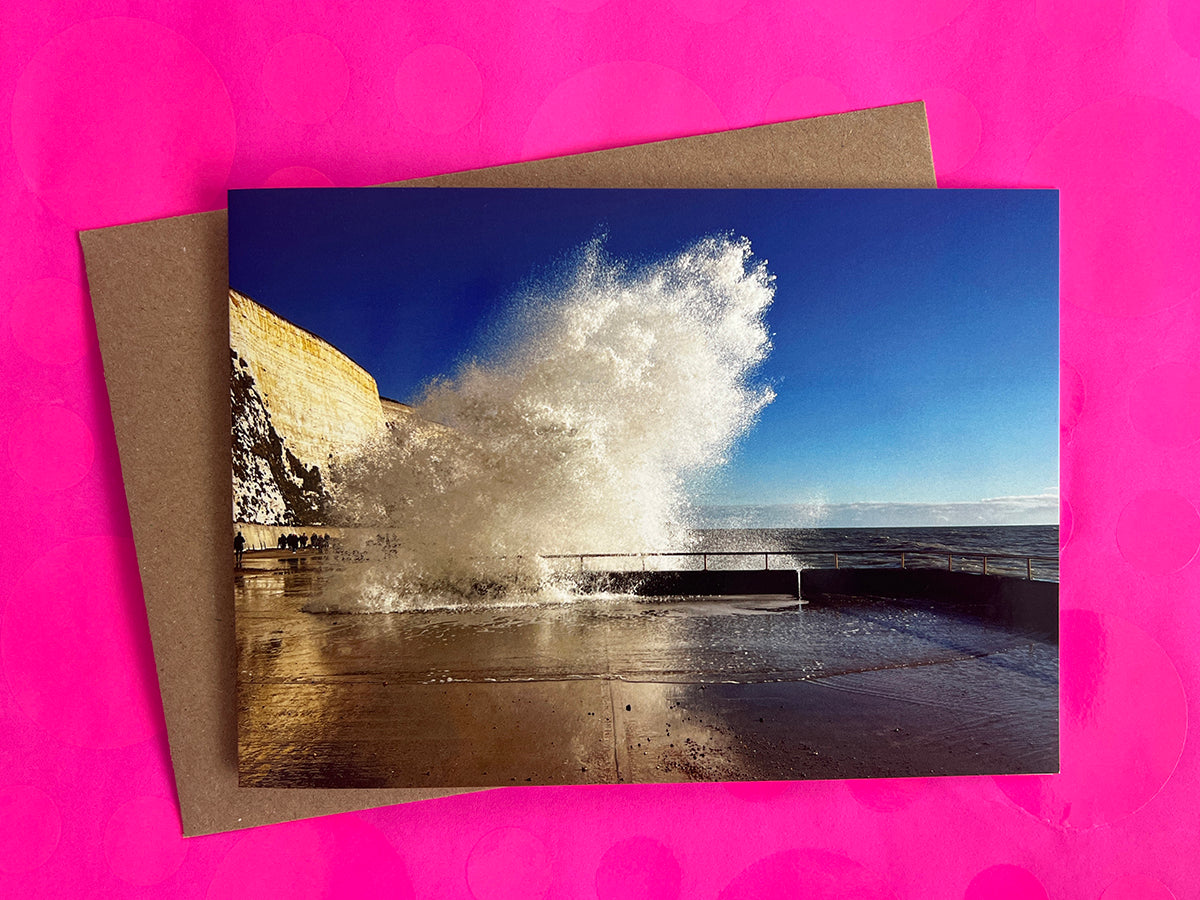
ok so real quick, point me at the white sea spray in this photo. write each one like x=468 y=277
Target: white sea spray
x=614 y=390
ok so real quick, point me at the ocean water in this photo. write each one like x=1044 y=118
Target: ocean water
x=962 y=548
x=1023 y=540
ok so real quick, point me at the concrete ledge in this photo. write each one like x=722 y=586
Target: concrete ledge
x=713 y=583
x=1010 y=601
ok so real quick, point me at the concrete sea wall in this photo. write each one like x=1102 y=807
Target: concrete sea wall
x=692 y=583
x=1017 y=602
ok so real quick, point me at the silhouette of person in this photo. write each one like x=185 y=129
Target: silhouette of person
x=282 y=542
x=239 y=547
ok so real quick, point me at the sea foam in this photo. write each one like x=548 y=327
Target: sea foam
x=615 y=390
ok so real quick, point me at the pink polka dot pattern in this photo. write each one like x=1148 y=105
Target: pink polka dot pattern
x=338 y=858
x=305 y=78
x=1123 y=725
x=31 y=828
x=279 y=861
x=1066 y=523
x=508 y=864
x=75 y=648
x=1005 y=882
x=579 y=6
x=1076 y=26
x=886 y=794
x=638 y=868
x=804 y=97
x=891 y=20
x=1137 y=887
x=120 y=119
x=1129 y=224
x=758 y=791
x=49 y=321
x=954 y=129
x=127 y=77
x=1164 y=404
x=1072 y=397
x=812 y=874
x=50 y=447
x=619 y=103
x=1184 y=19
x=438 y=89
x=143 y=841
x=1159 y=532
x=297 y=176
x=709 y=12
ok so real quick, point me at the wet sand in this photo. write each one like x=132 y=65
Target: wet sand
x=605 y=690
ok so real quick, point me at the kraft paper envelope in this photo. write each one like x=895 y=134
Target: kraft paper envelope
x=159 y=294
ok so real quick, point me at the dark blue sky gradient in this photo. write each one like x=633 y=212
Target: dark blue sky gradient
x=915 y=332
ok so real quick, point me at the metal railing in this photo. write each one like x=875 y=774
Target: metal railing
x=904 y=557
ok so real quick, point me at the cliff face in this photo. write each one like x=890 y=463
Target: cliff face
x=271 y=486
x=321 y=401
x=299 y=404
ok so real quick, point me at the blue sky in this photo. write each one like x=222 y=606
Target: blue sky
x=915 y=333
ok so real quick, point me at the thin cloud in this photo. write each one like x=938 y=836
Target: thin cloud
x=1037 y=509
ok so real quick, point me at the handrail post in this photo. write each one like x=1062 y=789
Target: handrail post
x=1029 y=568
x=836 y=565
x=705 y=562
x=985 y=565
x=902 y=561
x=949 y=562
x=766 y=562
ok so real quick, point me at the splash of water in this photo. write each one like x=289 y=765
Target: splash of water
x=615 y=390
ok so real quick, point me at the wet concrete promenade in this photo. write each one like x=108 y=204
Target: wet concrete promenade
x=620 y=689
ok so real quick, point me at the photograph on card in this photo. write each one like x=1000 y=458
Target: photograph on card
x=570 y=486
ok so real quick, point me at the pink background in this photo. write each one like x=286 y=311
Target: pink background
x=115 y=112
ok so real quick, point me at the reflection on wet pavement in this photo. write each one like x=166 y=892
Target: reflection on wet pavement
x=616 y=688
